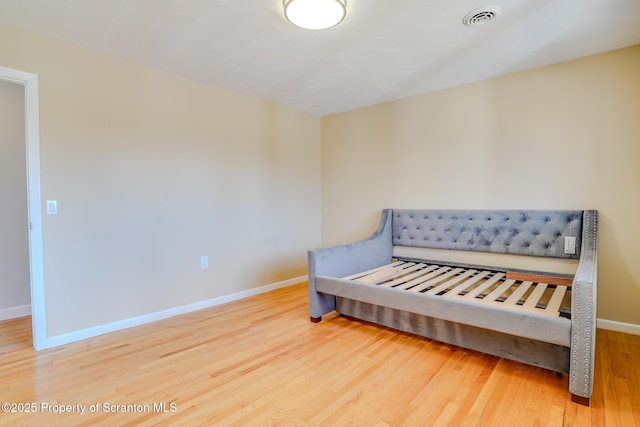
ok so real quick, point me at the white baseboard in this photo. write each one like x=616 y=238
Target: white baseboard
x=163 y=314
x=627 y=328
x=14 y=312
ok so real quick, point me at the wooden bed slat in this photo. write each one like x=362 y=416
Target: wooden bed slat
x=535 y=296
x=386 y=274
x=553 y=307
x=436 y=280
x=464 y=286
x=424 y=278
x=411 y=276
x=450 y=283
x=499 y=290
x=518 y=293
x=483 y=287
x=364 y=273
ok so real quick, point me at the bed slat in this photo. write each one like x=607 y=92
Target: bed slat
x=411 y=276
x=436 y=280
x=553 y=308
x=464 y=286
x=364 y=273
x=483 y=287
x=383 y=275
x=424 y=278
x=499 y=290
x=535 y=296
x=518 y=293
x=450 y=283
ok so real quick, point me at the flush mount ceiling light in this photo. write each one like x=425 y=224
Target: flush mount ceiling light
x=315 y=14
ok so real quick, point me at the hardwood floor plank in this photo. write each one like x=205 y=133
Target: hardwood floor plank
x=259 y=361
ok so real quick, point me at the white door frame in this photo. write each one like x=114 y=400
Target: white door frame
x=36 y=260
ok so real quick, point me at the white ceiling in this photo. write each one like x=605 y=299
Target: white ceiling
x=383 y=50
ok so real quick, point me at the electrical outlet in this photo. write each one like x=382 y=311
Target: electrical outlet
x=204 y=262
x=570 y=245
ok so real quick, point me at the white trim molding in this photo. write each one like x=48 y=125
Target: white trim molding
x=36 y=258
x=164 y=314
x=611 y=325
x=15 y=312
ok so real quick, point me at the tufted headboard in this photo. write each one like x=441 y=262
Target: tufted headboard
x=524 y=232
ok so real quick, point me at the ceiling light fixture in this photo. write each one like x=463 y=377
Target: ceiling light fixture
x=315 y=14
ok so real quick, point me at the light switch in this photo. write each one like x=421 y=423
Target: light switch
x=52 y=207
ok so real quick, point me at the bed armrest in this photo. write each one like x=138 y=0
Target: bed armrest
x=583 y=311
x=346 y=259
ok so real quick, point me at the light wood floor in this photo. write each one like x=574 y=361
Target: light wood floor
x=260 y=361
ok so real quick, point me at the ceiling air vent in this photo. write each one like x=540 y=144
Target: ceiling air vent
x=481 y=15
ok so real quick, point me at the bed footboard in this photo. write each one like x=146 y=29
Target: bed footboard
x=343 y=260
x=583 y=313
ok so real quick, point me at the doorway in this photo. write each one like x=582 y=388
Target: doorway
x=29 y=81
x=15 y=293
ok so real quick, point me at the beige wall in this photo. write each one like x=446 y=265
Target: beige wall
x=151 y=171
x=564 y=136
x=14 y=239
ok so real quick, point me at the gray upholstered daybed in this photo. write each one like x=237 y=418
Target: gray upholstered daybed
x=543 y=319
